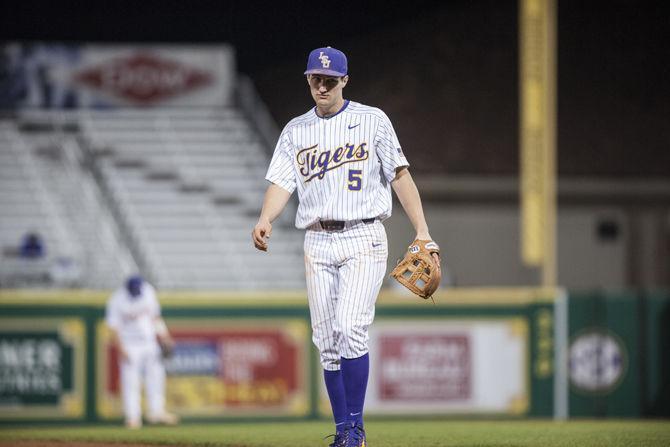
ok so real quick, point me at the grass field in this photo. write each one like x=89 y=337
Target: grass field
x=624 y=433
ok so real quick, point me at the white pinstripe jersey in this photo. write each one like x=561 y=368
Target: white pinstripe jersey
x=342 y=165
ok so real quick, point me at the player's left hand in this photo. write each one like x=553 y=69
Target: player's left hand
x=436 y=256
x=414 y=270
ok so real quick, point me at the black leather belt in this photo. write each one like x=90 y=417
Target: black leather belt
x=337 y=225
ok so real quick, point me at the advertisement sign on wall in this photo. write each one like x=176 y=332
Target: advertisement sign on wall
x=223 y=367
x=447 y=366
x=55 y=76
x=42 y=368
x=425 y=367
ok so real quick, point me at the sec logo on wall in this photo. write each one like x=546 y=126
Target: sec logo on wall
x=598 y=361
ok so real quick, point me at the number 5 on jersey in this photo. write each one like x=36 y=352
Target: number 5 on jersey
x=355 y=178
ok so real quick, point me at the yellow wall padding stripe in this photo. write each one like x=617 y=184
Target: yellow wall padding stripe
x=485 y=296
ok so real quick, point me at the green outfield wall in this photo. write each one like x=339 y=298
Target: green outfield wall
x=239 y=356
x=619 y=354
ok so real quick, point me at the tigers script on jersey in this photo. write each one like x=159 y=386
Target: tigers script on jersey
x=341 y=165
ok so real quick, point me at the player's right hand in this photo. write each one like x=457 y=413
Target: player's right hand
x=260 y=235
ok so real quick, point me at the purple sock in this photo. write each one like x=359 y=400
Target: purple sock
x=355 y=378
x=338 y=403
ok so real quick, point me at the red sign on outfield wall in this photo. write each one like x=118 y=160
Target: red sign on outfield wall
x=234 y=368
x=425 y=367
x=457 y=366
x=225 y=367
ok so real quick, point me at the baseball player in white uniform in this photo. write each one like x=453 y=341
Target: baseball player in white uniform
x=134 y=316
x=343 y=158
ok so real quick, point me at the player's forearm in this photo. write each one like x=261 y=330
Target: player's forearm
x=408 y=194
x=161 y=329
x=274 y=202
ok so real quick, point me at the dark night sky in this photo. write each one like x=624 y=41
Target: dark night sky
x=258 y=29
x=614 y=60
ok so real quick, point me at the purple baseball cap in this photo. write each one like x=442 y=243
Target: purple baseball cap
x=134 y=285
x=327 y=61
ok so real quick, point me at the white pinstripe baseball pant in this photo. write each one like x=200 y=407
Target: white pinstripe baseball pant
x=344 y=271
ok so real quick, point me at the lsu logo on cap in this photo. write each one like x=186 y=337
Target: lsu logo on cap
x=325 y=60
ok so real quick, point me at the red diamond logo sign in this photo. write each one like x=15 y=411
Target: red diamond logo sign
x=143 y=78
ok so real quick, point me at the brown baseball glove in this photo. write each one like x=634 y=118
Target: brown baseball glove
x=417 y=270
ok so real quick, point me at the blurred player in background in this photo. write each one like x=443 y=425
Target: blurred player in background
x=343 y=158
x=134 y=317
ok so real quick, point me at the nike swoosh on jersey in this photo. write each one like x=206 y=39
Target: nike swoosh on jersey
x=355 y=125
